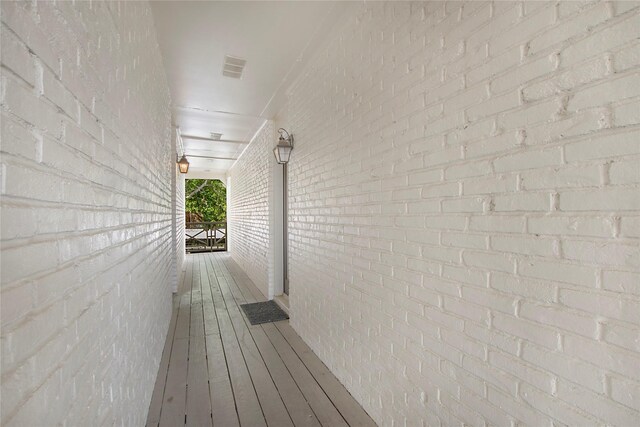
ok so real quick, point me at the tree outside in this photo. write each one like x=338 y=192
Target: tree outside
x=206 y=199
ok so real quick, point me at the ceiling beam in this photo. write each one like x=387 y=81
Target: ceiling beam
x=202 y=138
x=211 y=157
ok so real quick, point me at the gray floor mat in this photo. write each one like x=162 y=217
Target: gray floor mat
x=263 y=312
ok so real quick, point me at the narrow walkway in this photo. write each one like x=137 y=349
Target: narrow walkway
x=219 y=370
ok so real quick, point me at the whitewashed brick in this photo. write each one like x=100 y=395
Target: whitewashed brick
x=625 y=172
x=22 y=20
x=464 y=240
x=493 y=185
x=448 y=155
x=425 y=206
x=96 y=220
x=249 y=215
x=596 y=404
x=448 y=222
x=493 y=414
x=525 y=29
x=611 y=306
x=577 y=25
x=630 y=227
x=572 y=226
x=479 y=130
x=622 y=335
x=439 y=190
x=17 y=139
x=530 y=202
x=535 y=290
x=569 y=273
x=494 y=105
x=528 y=159
x=555 y=408
x=25 y=104
x=492 y=337
x=524 y=245
x=567 y=80
x=627 y=114
x=627 y=86
x=468 y=169
x=557 y=363
x=517 y=409
x=504 y=15
x=494 y=65
x=17 y=302
x=539 y=113
x=524 y=73
x=520 y=369
x=611 y=146
x=55 y=91
x=601 y=41
x=425 y=177
x=489 y=146
x=626 y=58
x=437 y=253
x=498 y=223
x=526 y=133
x=611 y=199
x=489 y=298
x=17 y=262
x=621 y=281
x=561 y=177
x=489 y=261
x=625 y=391
x=560 y=318
x=541 y=335
x=466 y=310
x=608 y=253
x=465 y=275
x=462 y=342
x=16 y=57
x=581 y=123
x=469 y=204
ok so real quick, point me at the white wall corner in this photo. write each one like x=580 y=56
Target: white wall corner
x=276 y=270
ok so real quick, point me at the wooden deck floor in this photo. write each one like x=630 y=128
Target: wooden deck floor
x=217 y=369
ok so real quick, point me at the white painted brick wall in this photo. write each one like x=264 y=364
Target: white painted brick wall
x=178 y=216
x=86 y=167
x=179 y=226
x=464 y=210
x=248 y=211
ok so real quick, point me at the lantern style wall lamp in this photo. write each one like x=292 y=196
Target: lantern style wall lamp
x=183 y=164
x=282 y=151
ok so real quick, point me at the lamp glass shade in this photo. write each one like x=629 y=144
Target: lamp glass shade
x=282 y=152
x=183 y=164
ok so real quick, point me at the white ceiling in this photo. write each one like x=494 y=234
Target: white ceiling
x=274 y=37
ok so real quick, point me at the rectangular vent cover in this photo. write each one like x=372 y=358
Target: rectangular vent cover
x=233 y=67
x=216 y=136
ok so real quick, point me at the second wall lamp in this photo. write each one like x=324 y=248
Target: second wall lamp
x=282 y=151
x=183 y=164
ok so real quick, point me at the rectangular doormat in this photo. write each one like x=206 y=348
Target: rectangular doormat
x=263 y=312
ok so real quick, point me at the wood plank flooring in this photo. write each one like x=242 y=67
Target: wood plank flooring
x=219 y=370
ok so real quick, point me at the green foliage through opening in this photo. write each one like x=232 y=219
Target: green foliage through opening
x=206 y=200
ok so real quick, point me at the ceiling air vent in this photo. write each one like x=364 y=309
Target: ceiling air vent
x=233 y=67
x=216 y=136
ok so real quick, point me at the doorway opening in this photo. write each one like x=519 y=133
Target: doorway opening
x=205 y=215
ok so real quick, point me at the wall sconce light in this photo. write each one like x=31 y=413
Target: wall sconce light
x=282 y=151
x=183 y=164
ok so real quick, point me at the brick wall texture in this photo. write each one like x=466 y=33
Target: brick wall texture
x=464 y=211
x=248 y=211
x=178 y=225
x=86 y=168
